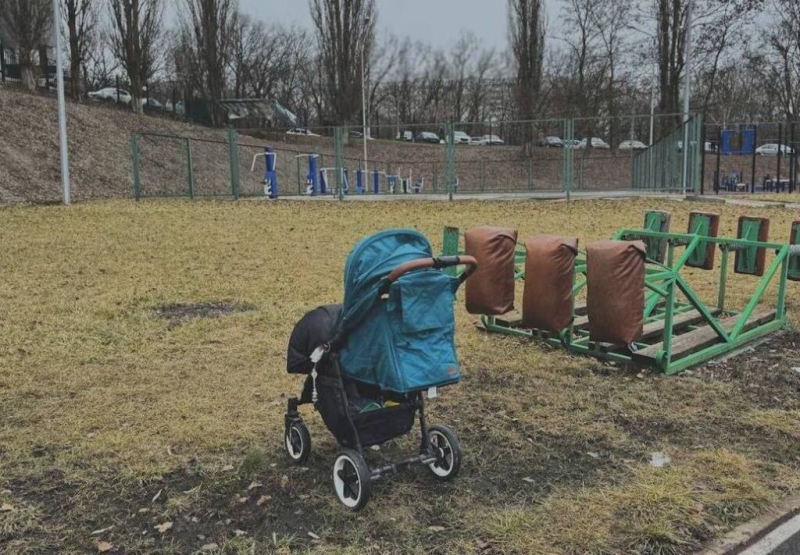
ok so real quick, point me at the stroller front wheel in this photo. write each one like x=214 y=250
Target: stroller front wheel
x=351 y=480
x=297 y=441
x=447 y=452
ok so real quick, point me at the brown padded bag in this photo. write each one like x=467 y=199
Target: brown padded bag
x=615 y=273
x=549 y=277
x=490 y=290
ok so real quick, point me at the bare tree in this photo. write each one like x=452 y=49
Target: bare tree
x=614 y=18
x=479 y=85
x=28 y=24
x=345 y=33
x=81 y=24
x=527 y=44
x=212 y=24
x=136 y=38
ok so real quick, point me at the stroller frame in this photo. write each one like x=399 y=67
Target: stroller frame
x=438 y=448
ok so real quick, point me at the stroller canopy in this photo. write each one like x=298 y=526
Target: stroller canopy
x=403 y=342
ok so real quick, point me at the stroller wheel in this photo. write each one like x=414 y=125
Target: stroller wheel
x=447 y=451
x=351 y=480
x=297 y=441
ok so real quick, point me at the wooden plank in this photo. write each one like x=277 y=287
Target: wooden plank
x=509 y=319
x=679 y=322
x=582 y=321
x=703 y=337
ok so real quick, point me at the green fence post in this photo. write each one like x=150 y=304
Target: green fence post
x=450 y=160
x=189 y=166
x=297 y=159
x=137 y=180
x=530 y=174
x=233 y=161
x=338 y=154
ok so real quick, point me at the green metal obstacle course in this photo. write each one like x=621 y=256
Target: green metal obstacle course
x=639 y=307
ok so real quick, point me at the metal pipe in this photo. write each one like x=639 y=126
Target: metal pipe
x=364 y=94
x=686 y=94
x=62 y=109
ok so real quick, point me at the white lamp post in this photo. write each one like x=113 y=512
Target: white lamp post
x=62 y=110
x=686 y=96
x=364 y=94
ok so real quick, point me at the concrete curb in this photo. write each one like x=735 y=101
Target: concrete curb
x=748 y=533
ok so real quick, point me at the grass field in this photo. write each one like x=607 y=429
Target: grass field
x=125 y=431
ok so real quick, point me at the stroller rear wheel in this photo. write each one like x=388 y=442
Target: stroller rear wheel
x=447 y=451
x=297 y=441
x=351 y=480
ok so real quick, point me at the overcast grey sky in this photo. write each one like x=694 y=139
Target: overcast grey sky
x=436 y=22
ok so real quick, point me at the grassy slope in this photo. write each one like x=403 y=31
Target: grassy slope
x=104 y=406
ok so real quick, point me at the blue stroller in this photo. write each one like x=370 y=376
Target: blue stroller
x=369 y=360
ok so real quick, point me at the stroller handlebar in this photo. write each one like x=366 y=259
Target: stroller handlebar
x=437 y=262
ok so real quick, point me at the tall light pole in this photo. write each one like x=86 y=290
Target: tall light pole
x=364 y=93
x=62 y=110
x=686 y=95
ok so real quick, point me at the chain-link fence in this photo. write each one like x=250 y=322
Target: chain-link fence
x=751 y=157
x=561 y=156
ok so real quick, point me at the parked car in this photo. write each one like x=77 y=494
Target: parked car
x=551 y=142
x=109 y=94
x=476 y=141
x=596 y=143
x=632 y=145
x=404 y=136
x=151 y=104
x=302 y=131
x=771 y=149
x=459 y=137
x=571 y=143
x=427 y=137
x=492 y=140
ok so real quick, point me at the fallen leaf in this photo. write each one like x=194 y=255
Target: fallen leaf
x=274 y=538
x=529 y=480
x=163 y=527
x=102 y=547
x=239 y=533
x=593 y=454
x=209 y=547
x=313 y=535
x=263 y=499
x=241 y=499
x=169 y=450
x=156 y=496
x=436 y=528
x=6 y=507
x=253 y=485
x=144 y=510
x=285 y=482
x=102 y=530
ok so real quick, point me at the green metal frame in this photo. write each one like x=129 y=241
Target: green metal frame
x=672 y=308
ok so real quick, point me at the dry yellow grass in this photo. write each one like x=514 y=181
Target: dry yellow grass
x=103 y=404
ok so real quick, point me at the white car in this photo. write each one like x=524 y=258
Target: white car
x=109 y=94
x=476 y=141
x=596 y=143
x=771 y=149
x=461 y=138
x=492 y=140
x=632 y=145
x=302 y=131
